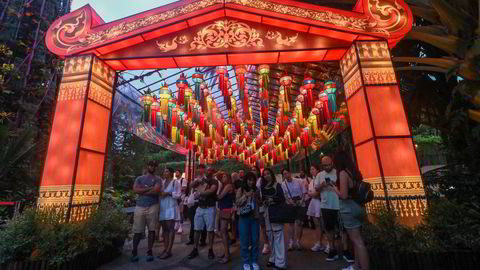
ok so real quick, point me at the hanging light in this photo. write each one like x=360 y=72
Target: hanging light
x=165 y=96
x=323 y=97
x=330 y=87
x=309 y=84
x=264 y=70
x=240 y=72
x=286 y=82
x=221 y=72
x=147 y=100
x=182 y=84
x=197 y=78
x=188 y=97
x=155 y=107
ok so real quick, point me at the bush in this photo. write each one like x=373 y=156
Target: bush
x=447 y=226
x=36 y=235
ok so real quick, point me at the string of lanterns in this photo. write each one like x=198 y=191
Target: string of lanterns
x=193 y=120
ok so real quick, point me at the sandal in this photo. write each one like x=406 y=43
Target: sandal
x=165 y=256
x=223 y=260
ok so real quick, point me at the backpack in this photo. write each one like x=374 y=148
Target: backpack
x=363 y=192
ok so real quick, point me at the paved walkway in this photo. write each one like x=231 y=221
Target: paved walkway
x=297 y=260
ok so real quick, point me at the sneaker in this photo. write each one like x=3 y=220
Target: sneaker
x=266 y=249
x=332 y=255
x=255 y=266
x=327 y=249
x=246 y=267
x=134 y=258
x=180 y=230
x=317 y=247
x=290 y=245
x=347 y=256
x=350 y=267
x=193 y=254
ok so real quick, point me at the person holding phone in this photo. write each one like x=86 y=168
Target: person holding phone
x=330 y=204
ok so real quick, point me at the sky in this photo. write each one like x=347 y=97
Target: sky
x=111 y=10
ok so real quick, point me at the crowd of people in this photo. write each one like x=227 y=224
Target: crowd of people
x=253 y=205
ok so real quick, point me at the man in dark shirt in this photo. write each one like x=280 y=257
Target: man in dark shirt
x=146 y=210
x=206 y=192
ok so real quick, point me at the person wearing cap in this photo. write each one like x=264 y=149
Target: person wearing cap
x=147 y=187
x=206 y=192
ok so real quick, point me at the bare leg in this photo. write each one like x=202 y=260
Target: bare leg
x=210 y=239
x=360 y=250
x=291 y=232
x=165 y=236
x=171 y=235
x=298 y=230
x=224 y=234
x=318 y=230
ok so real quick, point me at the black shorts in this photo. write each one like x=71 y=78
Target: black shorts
x=330 y=219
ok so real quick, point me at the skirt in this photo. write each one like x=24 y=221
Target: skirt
x=352 y=214
x=314 y=209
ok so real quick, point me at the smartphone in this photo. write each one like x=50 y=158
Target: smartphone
x=327 y=180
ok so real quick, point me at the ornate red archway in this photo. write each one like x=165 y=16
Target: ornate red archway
x=226 y=33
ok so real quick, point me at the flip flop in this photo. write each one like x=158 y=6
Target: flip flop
x=165 y=256
x=223 y=260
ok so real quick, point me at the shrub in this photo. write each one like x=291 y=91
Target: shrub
x=42 y=235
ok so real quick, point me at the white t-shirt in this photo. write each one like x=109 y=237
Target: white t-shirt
x=329 y=196
x=294 y=188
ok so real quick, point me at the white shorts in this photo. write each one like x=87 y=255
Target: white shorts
x=205 y=217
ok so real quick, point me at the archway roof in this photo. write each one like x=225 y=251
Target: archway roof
x=277 y=31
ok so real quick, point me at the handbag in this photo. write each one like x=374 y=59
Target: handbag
x=246 y=208
x=281 y=212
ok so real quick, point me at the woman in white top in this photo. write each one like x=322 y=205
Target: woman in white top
x=314 y=209
x=169 y=211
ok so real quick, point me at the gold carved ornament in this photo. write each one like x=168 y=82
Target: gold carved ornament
x=287 y=41
x=173 y=45
x=73 y=33
x=384 y=16
x=225 y=34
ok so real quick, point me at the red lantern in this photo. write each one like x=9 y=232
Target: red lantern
x=326 y=110
x=309 y=84
x=182 y=84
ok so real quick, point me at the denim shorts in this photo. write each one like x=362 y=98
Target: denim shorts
x=205 y=217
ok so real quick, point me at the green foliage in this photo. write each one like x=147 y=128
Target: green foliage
x=43 y=235
x=387 y=234
x=447 y=226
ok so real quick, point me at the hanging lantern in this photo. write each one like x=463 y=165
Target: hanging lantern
x=330 y=87
x=286 y=82
x=263 y=71
x=299 y=110
x=147 y=100
x=155 y=107
x=323 y=97
x=233 y=108
x=165 y=96
x=309 y=84
x=197 y=78
x=221 y=72
x=187 y=99
x=182 y=84
x=319 y=114
x=240 y=74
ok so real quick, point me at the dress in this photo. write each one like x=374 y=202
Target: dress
x=314 y=208
x=169 y=209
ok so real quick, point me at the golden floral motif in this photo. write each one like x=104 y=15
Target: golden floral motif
x=287 y=41
x=81 y=39
x=386 y=16
x=225 y=34
x=170 y=46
